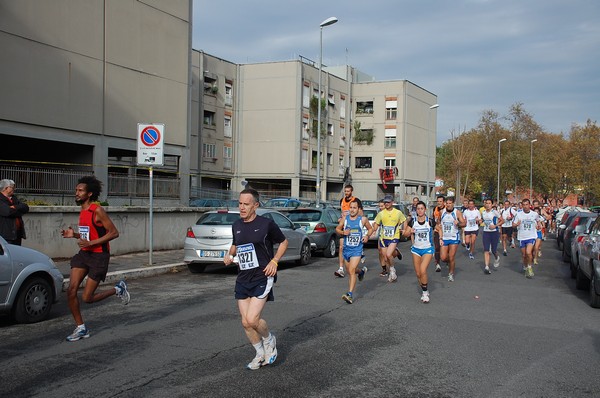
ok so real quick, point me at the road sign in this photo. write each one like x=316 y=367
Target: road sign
x=150 y=144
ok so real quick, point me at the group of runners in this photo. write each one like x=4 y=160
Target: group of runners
x=437 y=235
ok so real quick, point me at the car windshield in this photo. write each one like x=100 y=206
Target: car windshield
x=218 y=218
x=276 y=203
x=304 y=216
x=370 y=214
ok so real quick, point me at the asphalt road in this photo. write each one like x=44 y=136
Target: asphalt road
x=498 y=335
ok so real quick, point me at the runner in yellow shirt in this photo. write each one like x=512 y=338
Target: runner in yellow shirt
x=391 y=221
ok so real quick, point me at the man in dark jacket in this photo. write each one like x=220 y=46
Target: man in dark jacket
x=11 y=214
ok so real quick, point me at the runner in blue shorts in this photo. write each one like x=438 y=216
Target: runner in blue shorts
x=451 y=220
x=253 y=239
x=491 y=234
x=527 y=223
x=420 y=229
x=351 y=228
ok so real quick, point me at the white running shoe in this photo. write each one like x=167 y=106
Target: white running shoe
x=392 y=277
x=497 y=262
x=487 y=270
x=450 y=277
x=425 y=297
x=339 y=273
x=270 y=351
x=438 y=268
x=256 y=363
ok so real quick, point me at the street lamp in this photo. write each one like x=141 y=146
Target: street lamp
x=531 y=170
x=498 y=188
x=434 y=106
x=327 y=22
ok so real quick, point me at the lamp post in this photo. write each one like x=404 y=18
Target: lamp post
x=531 y=170
x=498 y=188
x=327 y=22
x=434 y=106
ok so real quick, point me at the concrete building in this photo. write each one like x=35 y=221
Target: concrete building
x=78 y=77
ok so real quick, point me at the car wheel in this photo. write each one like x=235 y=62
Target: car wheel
x=594 y=297
x=196 y=268
x=581 y=281
x=330 y=249
x=304 y=253
x=34 y=301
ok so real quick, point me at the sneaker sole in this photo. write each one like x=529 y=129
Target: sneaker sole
x=346 y=299
x=77 y=339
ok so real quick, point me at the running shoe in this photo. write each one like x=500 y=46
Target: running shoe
x=512 y=245
x=540 y=253
x=80 y=332
x=497 y=262
x=535 y=262
x=471 y=256
x=450 y=277
x=524 y=269
x=529 y=272
x=339 y=273
x=392 y=277
x=486 y=270
x=384 y=273
x=256 y=363
x=270 y=351
x=122 y=292
x=425 y=297
x=468 y=247
x=362 y=258
x=504 y=253
x=361 y=274
x=438 y=268
x=397 y=254
x=347 y=297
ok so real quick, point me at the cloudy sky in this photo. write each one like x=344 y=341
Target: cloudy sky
x=475 y=55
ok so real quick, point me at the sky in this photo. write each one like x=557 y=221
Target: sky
x=475 y=55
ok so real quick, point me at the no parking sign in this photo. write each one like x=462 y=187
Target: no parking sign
x=150 y=144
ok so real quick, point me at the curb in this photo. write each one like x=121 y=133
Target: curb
x=134 y=273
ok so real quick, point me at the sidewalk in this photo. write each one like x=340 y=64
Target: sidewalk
x=132 y=266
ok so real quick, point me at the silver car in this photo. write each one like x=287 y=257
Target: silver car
x=29 y=283
x=209 y=240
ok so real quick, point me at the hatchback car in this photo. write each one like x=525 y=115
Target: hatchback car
x=209 y=240
x=320 y=225
x=576 y=244
x=29 y=283
x=283 y=202
x=576 y=225
x=587 y=275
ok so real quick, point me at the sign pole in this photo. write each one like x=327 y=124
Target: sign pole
x=151 y=226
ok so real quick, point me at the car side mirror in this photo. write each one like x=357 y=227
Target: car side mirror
x=562 y=226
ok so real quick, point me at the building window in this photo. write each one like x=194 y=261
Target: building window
x=341 y=163
x=305 y=129
x=228 y=93
x=391 y=110
x=227 y=131
x=330 y=129
x=305 y=160
x=313 y=160
x=331 y=99
x=390 y=138
x=209 y=151
x=211 y=84
x=363 y=162
x=329 y=159
x=343 y=107
x=227 y=152
x=364 y=108
x=306 y=95
x=209 y=118
x=389 y=162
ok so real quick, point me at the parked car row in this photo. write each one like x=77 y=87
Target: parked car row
x=579 y=233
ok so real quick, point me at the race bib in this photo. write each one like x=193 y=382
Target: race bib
x=353 y=240
x=472 y=222
x=422 y=236
x=528 y=225
x=247 y=257
x=389 y=232
x=84 y=232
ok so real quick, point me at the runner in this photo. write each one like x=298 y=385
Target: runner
x=420 y=229
x=391 y=220
x=253 y=239
x=537 y=248
x=382 y=261
x=437 y=214
x=96 y=229
x=526 y=222
x=464 y=207
x=413 y=207
x=491 y=235
x=451 y=220
x=473 y=218
x=351 y=228
x=345 y=208
x=507 y=214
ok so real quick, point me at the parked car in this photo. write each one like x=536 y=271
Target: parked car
x=587 y=274
x=209 y=240
x=283 y=202
x=576 y=243
x=231 y=203
x=576 y=225
x=320 y=225
x=371 y=213
x=323 y=205
x=206 y=203
x=29 y=283
x=562 y=222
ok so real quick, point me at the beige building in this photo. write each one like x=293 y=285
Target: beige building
x=78 y=77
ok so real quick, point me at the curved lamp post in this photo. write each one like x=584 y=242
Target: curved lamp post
x=531 y=170
x=498 y=188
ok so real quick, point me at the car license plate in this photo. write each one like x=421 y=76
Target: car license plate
x=212 y=253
